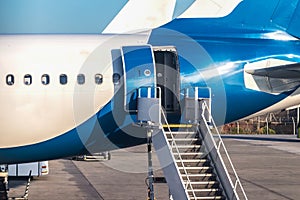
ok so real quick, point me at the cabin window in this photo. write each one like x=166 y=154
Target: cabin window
x=10 y=79
x=116 y=78
x=80 y=79
x=63 y=79
x=98 y=79
x=45 y=79
x=27 y=79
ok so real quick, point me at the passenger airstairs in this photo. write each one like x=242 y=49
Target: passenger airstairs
x=196 y=171
x=190 y=155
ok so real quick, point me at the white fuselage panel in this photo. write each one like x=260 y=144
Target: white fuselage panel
x=37 y=112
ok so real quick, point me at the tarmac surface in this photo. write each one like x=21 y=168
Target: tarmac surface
x=268 y=167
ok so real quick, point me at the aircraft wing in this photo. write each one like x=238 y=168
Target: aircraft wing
x=275 y=79
x=289 y=71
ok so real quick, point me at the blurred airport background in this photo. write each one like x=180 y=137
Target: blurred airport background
x=280 y=122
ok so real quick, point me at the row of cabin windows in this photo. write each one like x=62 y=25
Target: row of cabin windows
x=45 y=79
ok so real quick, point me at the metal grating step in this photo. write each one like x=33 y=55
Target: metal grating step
x=199 y=177
x=176 y=126
x=201 y=184
x=186 y=148
x=206 y=192
x=193 y=163
x=208 y=198
x=190 y=155
x=189 y=146
x=181 y=133
x=185 y=141
x=193 y=170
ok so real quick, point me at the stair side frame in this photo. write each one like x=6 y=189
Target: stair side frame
x=169 y=166
x=160 y=142
x=179 y=155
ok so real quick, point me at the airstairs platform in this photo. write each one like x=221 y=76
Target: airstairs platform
x=192 y=154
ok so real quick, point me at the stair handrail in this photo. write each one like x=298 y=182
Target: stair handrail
x=205 y=108
x=180 y=158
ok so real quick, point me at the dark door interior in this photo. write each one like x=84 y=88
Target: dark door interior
x=167 y=75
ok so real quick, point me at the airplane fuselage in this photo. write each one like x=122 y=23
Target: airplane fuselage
x=59 y=96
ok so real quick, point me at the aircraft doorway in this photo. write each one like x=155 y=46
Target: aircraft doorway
x=168 y=77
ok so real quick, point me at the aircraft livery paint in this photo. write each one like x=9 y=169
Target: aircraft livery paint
x=58 y=115
x=211 y=54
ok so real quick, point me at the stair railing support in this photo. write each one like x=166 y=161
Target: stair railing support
x=150 y=166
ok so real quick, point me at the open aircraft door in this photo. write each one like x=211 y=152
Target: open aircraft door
x=139 y=71
x=147 y=66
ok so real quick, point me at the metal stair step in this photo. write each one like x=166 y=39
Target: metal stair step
x=171 y=126
x=181 y=132
x=193 y=164
x=185 y=141
x=182 y=137
x=187 y=146
x=200 y=168
x=184 y=151
x=189 y=155
x=206 y=192
x=199 y=177
x=193 y=170
x=207 y=198
x=192 y=160
x=201 y=184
